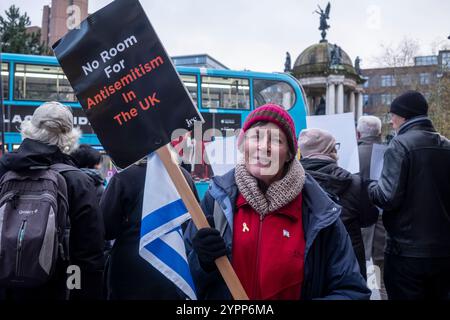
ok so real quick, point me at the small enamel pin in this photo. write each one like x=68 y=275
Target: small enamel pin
x=245 y=228
x=286 y=233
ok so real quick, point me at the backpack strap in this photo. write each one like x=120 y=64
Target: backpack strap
x=58 y=167
x=62 y=167
x=23 y=175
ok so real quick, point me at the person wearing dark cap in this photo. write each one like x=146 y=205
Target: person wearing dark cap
x=280 y=229
x=414 y=192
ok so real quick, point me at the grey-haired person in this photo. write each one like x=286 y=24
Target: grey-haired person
x=48 y=138
x=368 y=132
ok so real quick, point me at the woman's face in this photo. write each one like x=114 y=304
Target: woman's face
x=266 y=151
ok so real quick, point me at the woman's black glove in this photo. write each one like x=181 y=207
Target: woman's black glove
x=209 y=245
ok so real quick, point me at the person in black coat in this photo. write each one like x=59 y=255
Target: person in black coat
x=414 y=192
x=129 y=276
x=319 y=158
x=49 y=138
x=88 y=160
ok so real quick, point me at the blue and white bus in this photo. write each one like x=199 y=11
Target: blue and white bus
x=224 y=97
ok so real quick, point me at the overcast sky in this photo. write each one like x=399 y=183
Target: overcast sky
x=255 y=34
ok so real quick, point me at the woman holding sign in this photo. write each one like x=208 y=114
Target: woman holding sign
x=279 y=228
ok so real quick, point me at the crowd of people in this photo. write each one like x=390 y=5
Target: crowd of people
x=293 y=228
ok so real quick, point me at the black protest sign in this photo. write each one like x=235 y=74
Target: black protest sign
x=125 y=81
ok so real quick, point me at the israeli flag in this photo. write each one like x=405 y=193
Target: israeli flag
x=163 y=212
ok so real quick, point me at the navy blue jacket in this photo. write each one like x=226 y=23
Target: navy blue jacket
x=331 y=268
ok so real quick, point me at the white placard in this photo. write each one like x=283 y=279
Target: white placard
x=376 y=161
x=342 y=127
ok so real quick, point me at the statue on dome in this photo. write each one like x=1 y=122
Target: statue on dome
x=324 y=16
x=358 y=65
x=287 y=63
x=336 y=56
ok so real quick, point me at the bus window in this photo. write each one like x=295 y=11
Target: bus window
x=272 y=91
x=45 y=83
x=191 y=84
x=225 y=93
x=5 y=80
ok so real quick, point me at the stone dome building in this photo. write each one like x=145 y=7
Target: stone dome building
x=331 y=82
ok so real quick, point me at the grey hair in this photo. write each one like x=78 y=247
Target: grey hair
x=369 y=126
x=52 y=123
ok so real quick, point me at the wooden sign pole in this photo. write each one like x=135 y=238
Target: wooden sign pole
x=199 y=219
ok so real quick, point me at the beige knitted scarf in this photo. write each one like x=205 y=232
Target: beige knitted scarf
x=279 y=193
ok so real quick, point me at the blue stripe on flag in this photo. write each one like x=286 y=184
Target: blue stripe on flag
x=162 y=216
x=172 y=259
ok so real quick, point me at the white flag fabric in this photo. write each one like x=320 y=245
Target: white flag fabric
x=163 y=212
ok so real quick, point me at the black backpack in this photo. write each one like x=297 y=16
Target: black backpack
x=34 y=225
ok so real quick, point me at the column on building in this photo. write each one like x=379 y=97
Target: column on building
x=314 y=103
x=327 y=98
x=330 y=107
x=311 y=104
x=317 y=102
x=352 y=102
x=340 y=98
x=359 y=98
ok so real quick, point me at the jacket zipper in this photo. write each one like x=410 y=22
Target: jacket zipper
x=20 y=238
x=256 y=282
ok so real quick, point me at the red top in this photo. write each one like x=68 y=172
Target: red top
x=268 y=255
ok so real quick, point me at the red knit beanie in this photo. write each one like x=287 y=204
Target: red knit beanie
x=276 y=115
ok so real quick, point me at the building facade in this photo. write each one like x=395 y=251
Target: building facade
x=199 y=61
x=57 y=18
x=383 y=85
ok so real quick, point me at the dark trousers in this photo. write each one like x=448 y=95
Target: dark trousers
x=408 y=278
